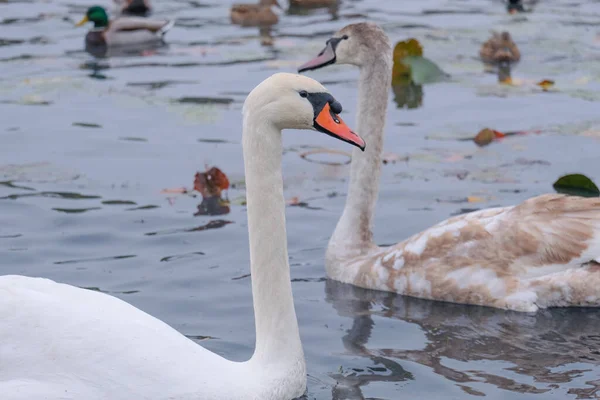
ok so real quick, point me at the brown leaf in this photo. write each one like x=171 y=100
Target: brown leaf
x=211 y=182
x=545 y=84
x=484 y=137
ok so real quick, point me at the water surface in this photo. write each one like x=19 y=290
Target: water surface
x=87 y=144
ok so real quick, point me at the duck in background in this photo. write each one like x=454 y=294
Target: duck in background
x=517 y=6
x=138 y=8
x=500 y=51
x=122 y=31
x=260 y=14
x=499 y=48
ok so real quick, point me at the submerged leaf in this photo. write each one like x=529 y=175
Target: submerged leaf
x=576 y=185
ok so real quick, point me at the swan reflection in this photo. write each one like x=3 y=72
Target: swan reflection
x=554 y=347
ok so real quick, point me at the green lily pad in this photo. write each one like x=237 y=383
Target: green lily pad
x=423 y=70
x=576 y=185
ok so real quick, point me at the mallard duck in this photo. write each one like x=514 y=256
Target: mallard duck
x=122 y=31
x=313 y=3
x=255 y=14
x=517 y=6
x=140 y=8
x=499 y=48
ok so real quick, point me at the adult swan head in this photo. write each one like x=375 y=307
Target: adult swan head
x=62 y=342
x=544 y=252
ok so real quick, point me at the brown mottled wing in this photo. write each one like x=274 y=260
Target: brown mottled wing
x=136 y=23
x=550 y=229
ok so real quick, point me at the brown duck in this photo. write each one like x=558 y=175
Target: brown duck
x=254 y=14
x=500 y=48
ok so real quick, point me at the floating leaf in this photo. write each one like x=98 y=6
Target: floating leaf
x=211 y=182
x=576 y=185
x=545 y=84
x=410 y=65
x=423 y=70
x=475 y=199
x=401 y=71
x=487 y=136
x=409 y=47
x=180 y=190
x=87 y=125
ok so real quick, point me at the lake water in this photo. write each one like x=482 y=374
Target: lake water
x=87 y=145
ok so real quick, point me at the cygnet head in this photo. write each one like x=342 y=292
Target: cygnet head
x=290 y=101
x=355 y=44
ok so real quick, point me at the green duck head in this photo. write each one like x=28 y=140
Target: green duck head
x=97 y=15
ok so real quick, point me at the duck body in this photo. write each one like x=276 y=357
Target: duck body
x=123 y=31
x=254 y=14
x=140 y=8
x=500 y=48
x=544 y=252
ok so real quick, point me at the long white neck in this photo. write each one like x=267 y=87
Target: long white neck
x=277 y=336
x=353 y=234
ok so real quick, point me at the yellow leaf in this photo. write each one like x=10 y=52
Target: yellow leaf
x=484 y=137
x=545 y=84
x=475 y=199
x=404 y=48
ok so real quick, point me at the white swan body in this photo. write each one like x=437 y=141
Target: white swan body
x=62 y=342
x=541 y=253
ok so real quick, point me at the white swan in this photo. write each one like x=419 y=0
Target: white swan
x=62 y=342
x=541 y=253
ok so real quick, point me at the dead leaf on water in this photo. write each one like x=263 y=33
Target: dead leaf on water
x=468 y=199
x=211 y=182
x=545 y=84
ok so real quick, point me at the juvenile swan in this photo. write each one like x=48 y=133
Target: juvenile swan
x=62 y=342
x=541 y=253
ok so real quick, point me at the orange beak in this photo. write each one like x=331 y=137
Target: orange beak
x=331 y=124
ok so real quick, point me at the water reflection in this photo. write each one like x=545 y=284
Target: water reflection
x=553 y=347
x=133 y=50
x=214 y=205
x=409 y=95
x=307 y=7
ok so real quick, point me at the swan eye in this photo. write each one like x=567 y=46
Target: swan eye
x=303 y=93
x=345 y=37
